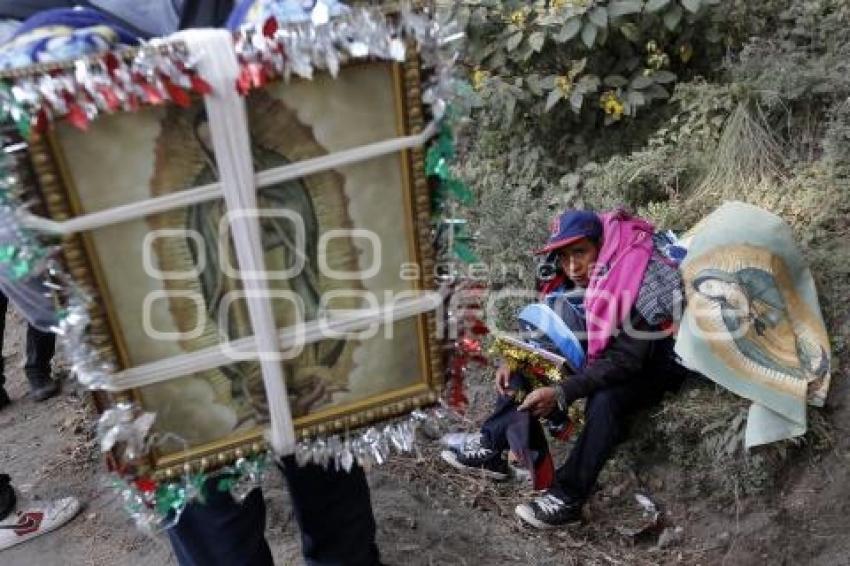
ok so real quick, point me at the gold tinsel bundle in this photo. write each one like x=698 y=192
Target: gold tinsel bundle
x=540 y=366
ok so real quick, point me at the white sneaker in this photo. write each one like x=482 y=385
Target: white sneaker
x=33 y=518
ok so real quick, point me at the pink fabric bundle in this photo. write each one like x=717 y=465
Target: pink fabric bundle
x=617 y=277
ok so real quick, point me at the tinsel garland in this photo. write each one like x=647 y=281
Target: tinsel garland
x=282 y=48
x=538 y=368
x=452 y=244
x=154 y=505
x=115 y=81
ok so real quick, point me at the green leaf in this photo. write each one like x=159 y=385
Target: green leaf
x=536 y=40
x=588 y=83
x=513 y=41
x=576 y=101
x=672 y=17
x=588 y=34
x=554 y=97
x=615 y=81
x=569 y=31
x=624 y=8
x=599 y=17
x=631 y=32
x=548 y=82
x=641 y=82
x=657 y=91
x=656 y=5
x=663 y=77
x=577 y=67
x=523 y=53
x=636 y=98
x=533 y=82
x=691 y=6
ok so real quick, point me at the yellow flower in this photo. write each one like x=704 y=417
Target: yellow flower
x=612 y=105
x=518 y=18
x=686 y=52
x=564 y=84
x=558 y=4
x=479 y=77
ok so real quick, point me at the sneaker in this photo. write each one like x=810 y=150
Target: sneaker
x=549 y=511
x=35 y=518
x=476 y=458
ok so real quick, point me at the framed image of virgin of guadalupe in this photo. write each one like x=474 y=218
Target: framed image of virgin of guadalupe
x=334 y=243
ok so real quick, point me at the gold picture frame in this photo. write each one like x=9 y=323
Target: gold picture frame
x=90 y=258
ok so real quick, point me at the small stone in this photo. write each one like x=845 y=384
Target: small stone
x=617 y=490
x=724 y=536
x=91 y=516
x=657 y=484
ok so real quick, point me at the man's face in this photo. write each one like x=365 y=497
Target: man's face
x=577 y=260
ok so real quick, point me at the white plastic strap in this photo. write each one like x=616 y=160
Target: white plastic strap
x=228 y=124
x=309 y=333
x=204 y=193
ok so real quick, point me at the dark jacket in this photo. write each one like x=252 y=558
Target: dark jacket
x=627 y=357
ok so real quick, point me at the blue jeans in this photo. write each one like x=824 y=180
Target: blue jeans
x=333 y=511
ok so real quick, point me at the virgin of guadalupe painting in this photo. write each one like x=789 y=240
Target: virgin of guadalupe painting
x=184 y=157
x=168 y=284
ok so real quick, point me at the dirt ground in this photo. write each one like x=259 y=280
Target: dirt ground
x=428 y=514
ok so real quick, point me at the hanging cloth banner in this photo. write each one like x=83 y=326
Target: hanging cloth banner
x=753 y=323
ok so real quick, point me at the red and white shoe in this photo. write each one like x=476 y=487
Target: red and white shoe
x=34 y=518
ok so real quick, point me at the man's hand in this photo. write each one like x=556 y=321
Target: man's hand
x=503 y=377
x=540 y=402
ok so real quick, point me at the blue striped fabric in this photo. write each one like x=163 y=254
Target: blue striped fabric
x=63 y=34
x=543 y=318
x=255 y=12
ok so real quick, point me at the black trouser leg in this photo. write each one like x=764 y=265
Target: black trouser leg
x=40 y=349
x=602 y=430
x=605 y=423
x=4 y=305
x=334 y=512
x=222 y=532
x=332 y=508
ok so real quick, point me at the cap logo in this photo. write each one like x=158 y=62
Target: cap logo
x=555 y=226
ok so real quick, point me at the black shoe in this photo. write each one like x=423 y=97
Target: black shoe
x=550 y=511
x=7 y=496
x=476 y=458
x=42 y=387
x=4 y=398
